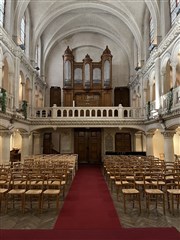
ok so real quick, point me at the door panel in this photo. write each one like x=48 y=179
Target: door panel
x=121 y=96
x=88 y=145
x=80 y=145
x=123 y=142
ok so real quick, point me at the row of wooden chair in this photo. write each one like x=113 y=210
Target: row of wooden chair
x=33 y=187
x=138 y=179
x=40 y=178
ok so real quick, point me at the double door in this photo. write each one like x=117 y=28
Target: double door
x=87 y=144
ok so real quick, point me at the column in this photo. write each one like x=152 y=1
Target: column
x=149 y=144
x=5 y=134
x=144 y=102
x=25 y=145
x=138 y=142
x=163 y=79
x=173 y=65
x=36 y=143
x=157 y=84
x=23 y=91
x=16 y=84
x=1 y=65
x=168 y=145
x=11 y=78
x=32 y=99
x=29 y=101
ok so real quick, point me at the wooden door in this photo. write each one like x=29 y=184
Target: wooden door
x=88 y=145
x=47 y=143
x=55 y=96
x=121 y=96
x=123 y=142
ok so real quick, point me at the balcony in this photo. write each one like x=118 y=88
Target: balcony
x=87 y=116
x=96 y=116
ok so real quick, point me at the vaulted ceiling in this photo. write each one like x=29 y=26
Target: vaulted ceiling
x=90 y=25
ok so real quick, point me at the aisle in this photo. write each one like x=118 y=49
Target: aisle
x=88 y=213
x=88 y=204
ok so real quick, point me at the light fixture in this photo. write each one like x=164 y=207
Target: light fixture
x=137 y=68
x=37 y=68
x=22 y=46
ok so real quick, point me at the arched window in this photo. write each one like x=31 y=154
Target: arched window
x=174 y=9
x=23 y=32
x=2 y=12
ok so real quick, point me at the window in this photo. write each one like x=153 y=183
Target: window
x=23 y=32
x=174 y=9
x=2 y=12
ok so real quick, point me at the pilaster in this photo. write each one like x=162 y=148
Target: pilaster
x=149 y=144
x=5 y=146
x=168 y=145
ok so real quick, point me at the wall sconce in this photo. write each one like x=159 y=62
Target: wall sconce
x=152 y=46
x=137 y=68
x=22 y=46
x=37 y=68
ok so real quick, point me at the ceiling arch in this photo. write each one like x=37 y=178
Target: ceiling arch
x=124 y=16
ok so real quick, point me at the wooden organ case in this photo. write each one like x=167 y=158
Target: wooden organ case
x=87 y=83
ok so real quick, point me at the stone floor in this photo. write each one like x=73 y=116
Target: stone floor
x=31 y=219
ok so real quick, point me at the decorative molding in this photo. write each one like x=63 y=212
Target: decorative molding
x=169 y=133
x=5 y=133
x=149 y=134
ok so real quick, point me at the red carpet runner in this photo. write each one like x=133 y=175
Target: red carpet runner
x=88 y=204
x=88 y=214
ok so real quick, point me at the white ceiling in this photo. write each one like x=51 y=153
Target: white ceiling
x=89 y=23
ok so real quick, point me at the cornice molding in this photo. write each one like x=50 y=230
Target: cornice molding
x=79 y=122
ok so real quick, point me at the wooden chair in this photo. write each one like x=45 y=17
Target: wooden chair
x=129 y=190
x=4 y=187
x=35 y=188
x=53 y=189
x=174 y=192
x=63 y=176
x=120 y=181
x=152 y=190
x=17 y=190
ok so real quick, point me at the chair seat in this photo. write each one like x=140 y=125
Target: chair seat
x=154 y=191
x=56 y=182
x=51 y=191
x=17 y=191
x=130 y=191
x=2 y=182
x=3 y=190
x=34 y=191
x=159 y=182
x=121 y=183
x=173 y=191
x=141 y=182
x=130 y=177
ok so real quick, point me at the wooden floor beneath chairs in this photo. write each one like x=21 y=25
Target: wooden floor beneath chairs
x=15 y=219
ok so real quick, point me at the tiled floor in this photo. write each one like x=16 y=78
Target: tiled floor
x=14 y=219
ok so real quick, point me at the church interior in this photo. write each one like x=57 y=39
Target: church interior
x=91 y=83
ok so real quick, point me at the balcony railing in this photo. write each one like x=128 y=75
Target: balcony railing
x=169 y=102
x=88 y=112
